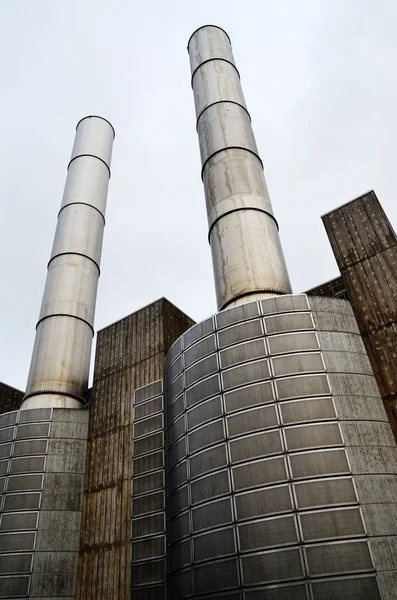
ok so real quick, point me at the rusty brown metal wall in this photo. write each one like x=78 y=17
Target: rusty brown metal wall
x=130 y=354
x=365 y=248
x=10 y=398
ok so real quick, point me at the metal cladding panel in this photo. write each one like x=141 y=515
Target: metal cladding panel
x=271 y=473
x=127 y=391
x=365 y=247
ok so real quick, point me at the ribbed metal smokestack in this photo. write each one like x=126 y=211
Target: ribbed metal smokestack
x=247 y=256
x=59 y=369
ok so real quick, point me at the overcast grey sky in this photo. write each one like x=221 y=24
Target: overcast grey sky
x=319 y=77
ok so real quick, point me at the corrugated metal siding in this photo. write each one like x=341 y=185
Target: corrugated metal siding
x=129 y=355
x=365 y=247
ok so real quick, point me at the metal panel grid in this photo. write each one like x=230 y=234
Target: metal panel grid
x=28 y=433
x=148 y=539
x=219 y=486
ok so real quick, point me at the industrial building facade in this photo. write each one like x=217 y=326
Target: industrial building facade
x=247 y=456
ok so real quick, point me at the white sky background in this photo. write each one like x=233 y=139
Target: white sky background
x=319 y=77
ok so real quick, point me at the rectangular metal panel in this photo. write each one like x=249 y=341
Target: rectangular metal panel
x=316 y=409
x=175 y=430
x=216 y=576
x=7 y=434
x=337 y=558
x=149 y=443
x=35 y=414
x=292 y=364
x=30 y=447
x=268 y=501
x=259 y=473
x=302 y=386
x=5 y=450
x=207 y=411
x=272 y=566
x=19 y=521
x=245 y=374
x=288 y=323
x=38 y=430
x=206 y=435
x=268 y=533
x=203 y=390
x=288 y=303
x=199 y=350
x=148 y=391
x=242 y=353
x=243 y=312
x=27 y=465
x=256 y=446
x=180 y=585
x=252 y=420
x=319 y=435
x=212 y=459
x=15 y=563
x=178 y=528
x=148 y=426
x=17 y=542
x=175 y=369
x=317 y=464
x=212 y=486
x=179 y=555
x=201 y=369
x=26 y=501
x=175 y=409
x=149 y=525
x=177 y=477
x=148 y=483
x=240 y=333
x=149 y=462
x=213 y=514
x=149 y=572
x=198 y=331
x=252 y=395
x=177 y=502
x=24 y=483
x=331 y=524
x=292 y=342
x=176 y=453
x=326 y=492
x=148 y=549
x=149 y=503
x=149 y=408
x=14 y=587
x=214 y=544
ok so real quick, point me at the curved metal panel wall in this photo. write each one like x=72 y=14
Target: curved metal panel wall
x=274 y=428
x=42 y=472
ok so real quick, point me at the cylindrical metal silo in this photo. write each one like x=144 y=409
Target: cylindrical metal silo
x=59 y=368
x=247 y=257
x=281 y=464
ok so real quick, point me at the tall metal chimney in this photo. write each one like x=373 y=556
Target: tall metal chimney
x=59 y=369
x=247 y=257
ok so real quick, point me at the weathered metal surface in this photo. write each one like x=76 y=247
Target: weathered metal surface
x=130 y=355
x=248 y=261
x=275 y=435
x=42 y=465
x=61 y=356
x=365 y=247
x=10 y=398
